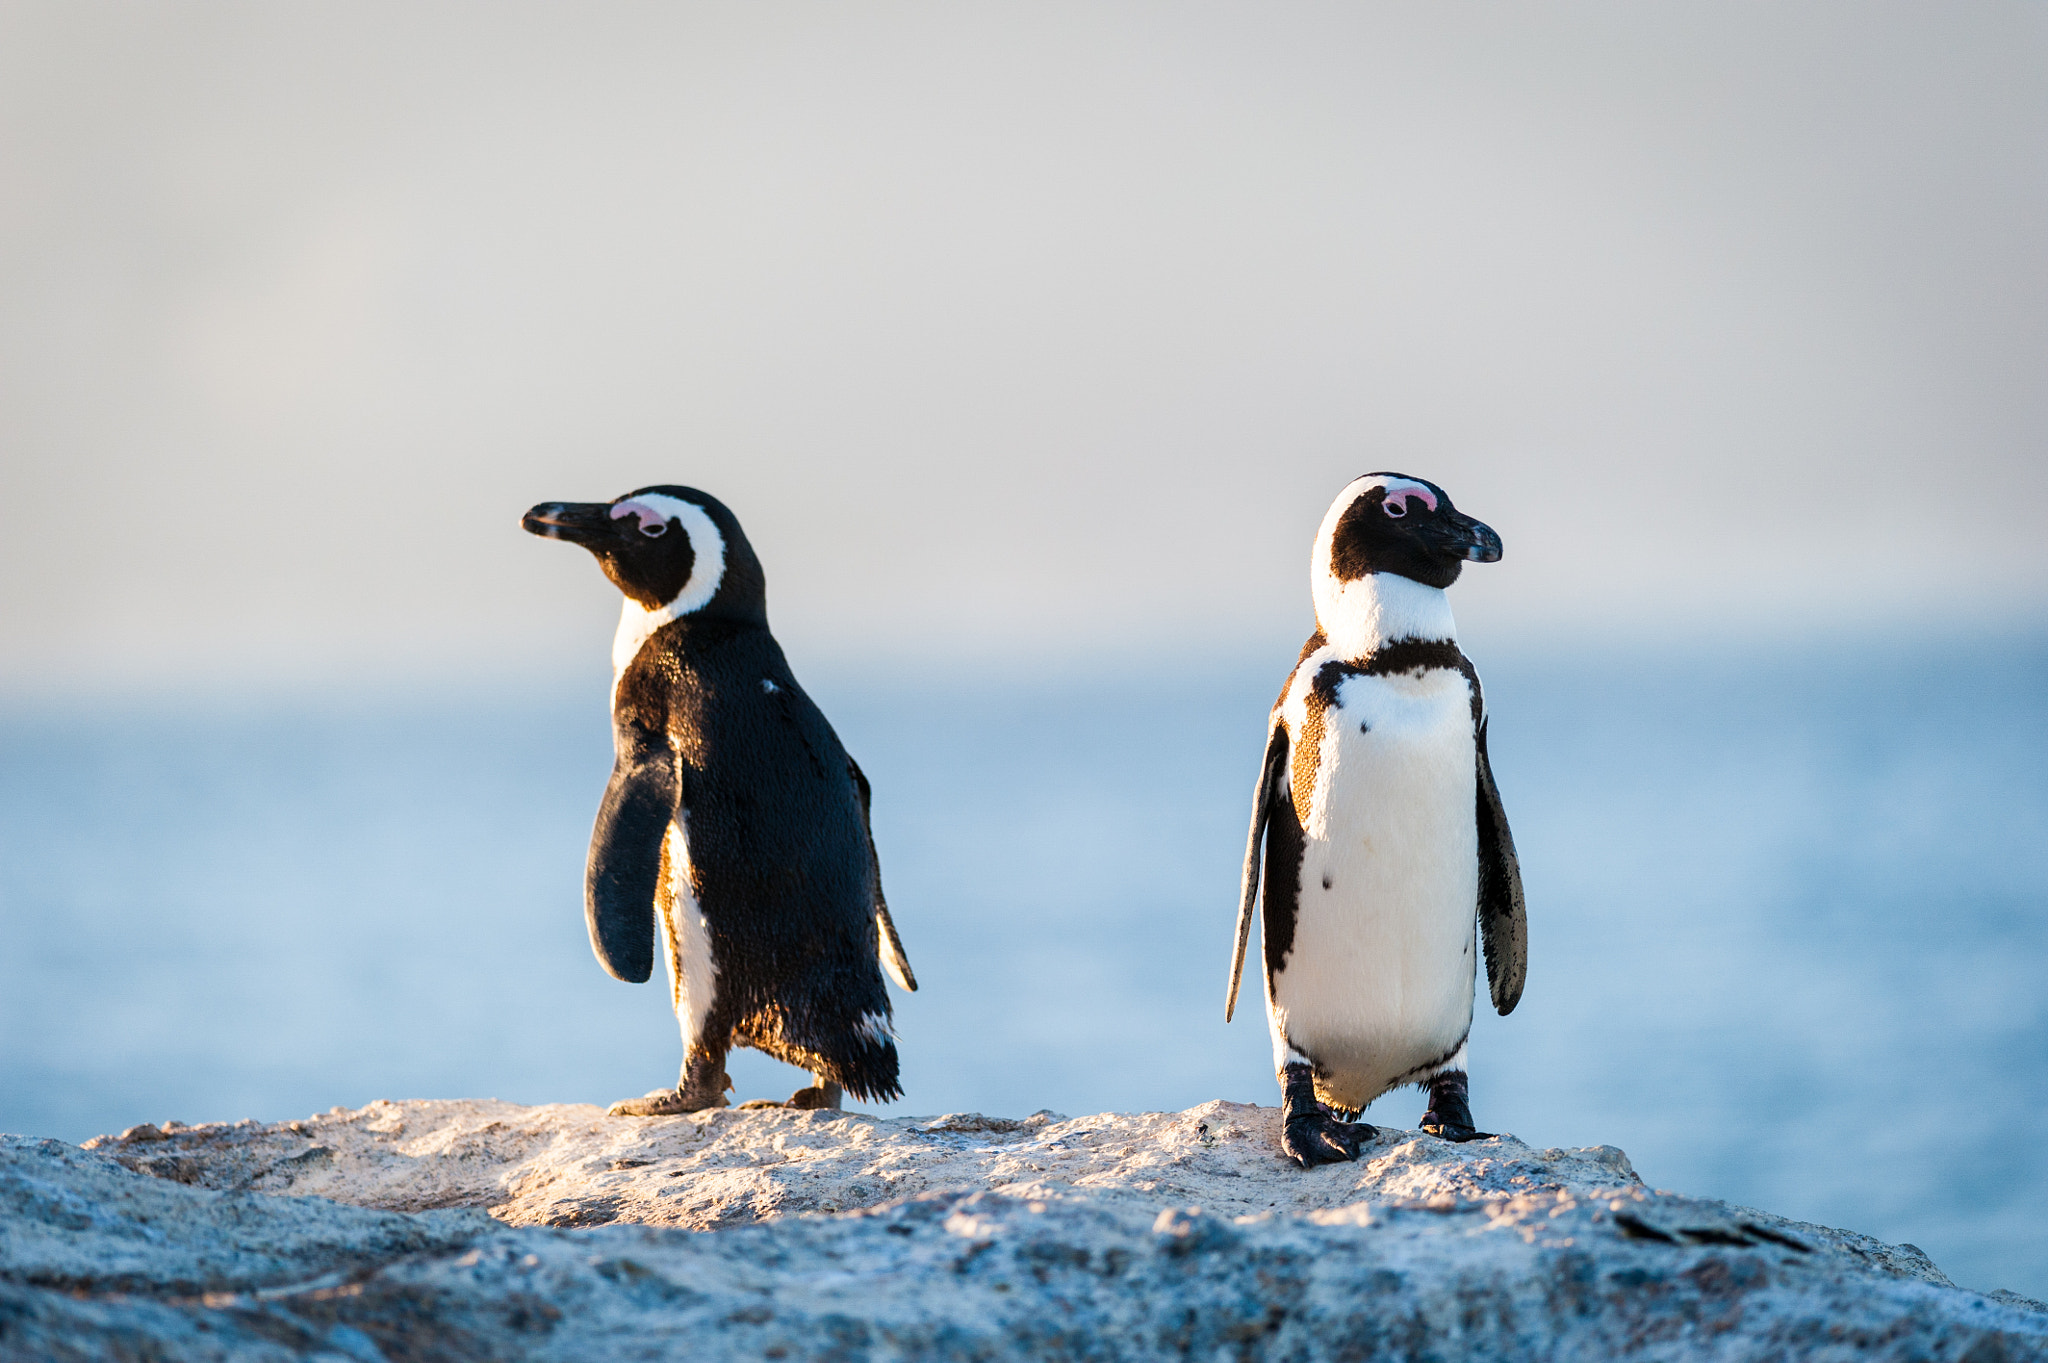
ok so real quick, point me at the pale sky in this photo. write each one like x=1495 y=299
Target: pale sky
x=1011 y=332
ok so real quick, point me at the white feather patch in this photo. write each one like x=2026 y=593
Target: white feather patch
x=1284 y=1054
x=1380 y=976
x=637 y=623
x=1455 y=1063
x=876 y=1028
x=692 y=974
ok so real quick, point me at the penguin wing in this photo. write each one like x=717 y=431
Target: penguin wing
x=1503 y=917
x=891 y=946
x=624 y=872
x=1272 y=771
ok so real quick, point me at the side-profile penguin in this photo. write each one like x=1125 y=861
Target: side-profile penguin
x=734 y=834
x=1382 y=833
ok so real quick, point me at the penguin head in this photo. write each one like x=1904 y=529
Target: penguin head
x=670 y=549
x=1391 y=523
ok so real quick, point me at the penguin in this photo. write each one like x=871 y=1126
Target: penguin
x=734 y=837
x=1385 y=847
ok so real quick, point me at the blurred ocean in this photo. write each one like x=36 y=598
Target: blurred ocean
x=1789 y=914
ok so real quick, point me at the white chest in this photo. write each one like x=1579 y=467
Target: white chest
x=1379 y=978
x=1395 y=765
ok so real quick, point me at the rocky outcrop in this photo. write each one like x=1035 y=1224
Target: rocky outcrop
x=476 y=1230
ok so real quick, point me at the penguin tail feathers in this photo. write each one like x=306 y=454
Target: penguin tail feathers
x=873 y=1093
x=857 y=1053
x=871 y=1072
x=867 y=1068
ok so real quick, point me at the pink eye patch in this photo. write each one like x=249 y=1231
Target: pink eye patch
x=1396 y=503
x=652 y=522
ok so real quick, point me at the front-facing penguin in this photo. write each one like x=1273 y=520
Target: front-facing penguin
x=734 y=833
x=1383 y=836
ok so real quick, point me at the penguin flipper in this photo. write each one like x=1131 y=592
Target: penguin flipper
x=1271 y=769
x=890 y=945
x=893 y=959
x=624 y=872
x=1503 y=916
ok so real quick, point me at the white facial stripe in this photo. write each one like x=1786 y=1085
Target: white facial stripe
x=637 y=623
x=1326 y=536
x=705 y=542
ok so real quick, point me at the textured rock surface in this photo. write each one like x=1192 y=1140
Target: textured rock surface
x=468 y=1230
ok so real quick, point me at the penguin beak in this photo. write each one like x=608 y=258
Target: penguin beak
x=1457 y=536
x=577 y=522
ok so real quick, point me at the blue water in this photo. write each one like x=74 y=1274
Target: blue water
x=1789 y=914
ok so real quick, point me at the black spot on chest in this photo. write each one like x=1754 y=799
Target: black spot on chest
x=1400 y=656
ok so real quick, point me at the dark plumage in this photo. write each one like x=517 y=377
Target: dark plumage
x=734 y=823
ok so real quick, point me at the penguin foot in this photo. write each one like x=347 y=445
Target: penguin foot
x=665 y=1103
x=703 y=1084
x=825 y=1097
x=1312 y=1138
x=1309 y=1133
x=1450 y=1110
x=822 y=1097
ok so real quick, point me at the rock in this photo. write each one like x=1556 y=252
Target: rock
x=464 y=1230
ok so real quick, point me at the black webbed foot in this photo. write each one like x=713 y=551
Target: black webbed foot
x=822 y=1096
x=1309 y=1133
x=1312 y=1138
x=1450 y=1110
x=703 y=1085
x=665 y=1103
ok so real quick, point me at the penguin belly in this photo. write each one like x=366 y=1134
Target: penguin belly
x=685 y=936
x=1377 y=988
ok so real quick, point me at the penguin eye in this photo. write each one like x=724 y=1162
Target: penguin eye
x=653 y=522
x=1399 y=503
